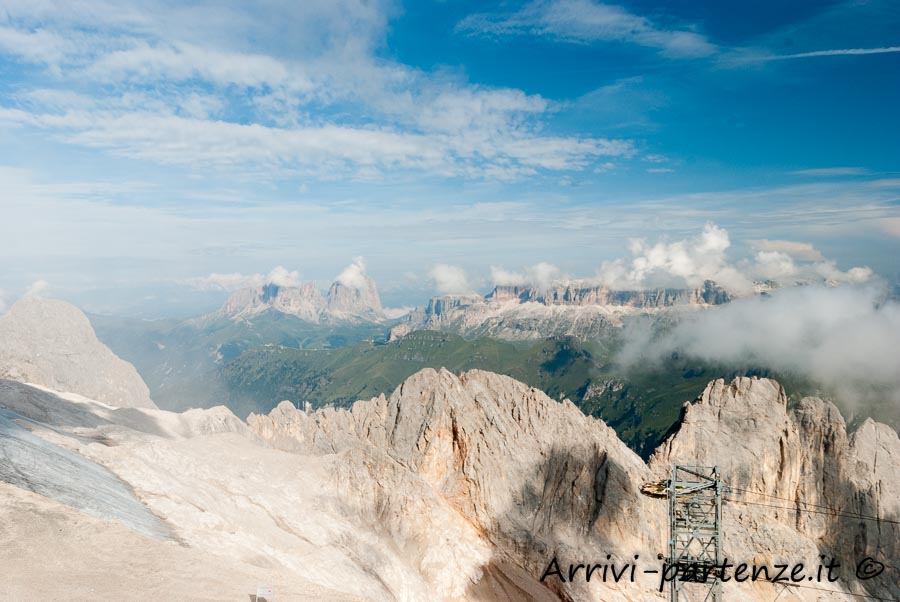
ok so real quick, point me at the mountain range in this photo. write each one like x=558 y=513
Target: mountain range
x=582 y=310
x=453 y=487
x=353 y=301
x=182 y=361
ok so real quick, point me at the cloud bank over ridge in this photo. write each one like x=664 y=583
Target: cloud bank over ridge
x=843 y=338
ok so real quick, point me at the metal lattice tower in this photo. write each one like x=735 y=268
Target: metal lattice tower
x=695 y=533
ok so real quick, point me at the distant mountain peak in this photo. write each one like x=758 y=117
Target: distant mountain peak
x=357 y=298
x=350 y=299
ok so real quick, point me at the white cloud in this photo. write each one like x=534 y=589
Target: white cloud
x=586 y=21
x=891 y=225
x=279 y=276
x=317 y=101
x=181 y=61
x=800 y=250
x=83 y=223
x=450 y=279
x=392 y=313
x=37 y=46
x=832 y=52
x=326 y=150
x=691 y=261
x=844 y=338
x=37 y=288
x=829 y=271
x=831 y=171
x=774 y=265
x=686 y=262
x=540 y=275
x=354 y=275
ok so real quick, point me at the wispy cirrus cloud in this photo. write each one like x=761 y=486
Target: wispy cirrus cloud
x=823 y=53
x=279 y=275
x=325 y=151
x=243 y=94
x=831 y=171
x=800 y=250
x=585 y=21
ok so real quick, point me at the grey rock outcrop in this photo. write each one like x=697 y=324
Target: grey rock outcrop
x=52 y=343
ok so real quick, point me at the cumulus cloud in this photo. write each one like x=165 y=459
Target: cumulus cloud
x=691 y=261
x=843 y=338
x=540 y=275
x=279 y=276
x=392 y=313
x=354 y=275
x=37 y=288
x=450 y=279
x=685 y=262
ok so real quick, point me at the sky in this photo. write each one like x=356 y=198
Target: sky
x=153 y=155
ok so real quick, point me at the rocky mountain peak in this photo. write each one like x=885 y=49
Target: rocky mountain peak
x=304 y=301
x=344 y=301
x=785 y=465
x=464 y=487
x=354 y=299
x=535 y=478
x=52 y=343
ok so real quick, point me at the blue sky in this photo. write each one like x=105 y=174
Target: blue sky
x=145 y=146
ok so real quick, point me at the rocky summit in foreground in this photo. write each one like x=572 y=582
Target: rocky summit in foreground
x=456 y=487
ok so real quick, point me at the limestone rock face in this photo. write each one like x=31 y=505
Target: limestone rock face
x=795 y=475
x=343 y=302
x=304 y=301
x=529 y=476
x=580 y=310
x=573 y=294
x=358 y=301
x=536 y=479
x=52 y=343
x=464 y=487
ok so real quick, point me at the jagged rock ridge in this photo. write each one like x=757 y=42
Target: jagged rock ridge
x=463 y=487
x=358 y=301
x=580 y=310
x=574 y=294
x=536 y=479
